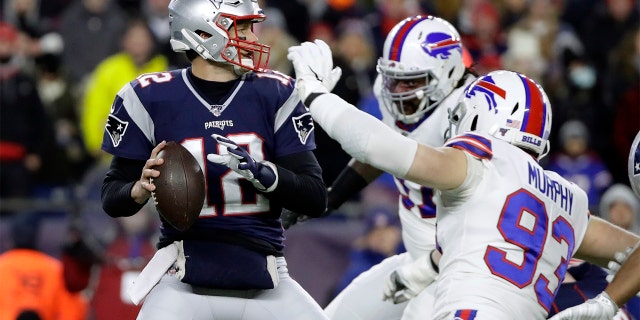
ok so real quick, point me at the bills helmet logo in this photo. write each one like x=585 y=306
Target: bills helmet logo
x=116 y=129
x=489 y=89
x=304 y=126
x=439 y=45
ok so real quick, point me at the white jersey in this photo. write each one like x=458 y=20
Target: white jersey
x=417 y=210
x=511 y=228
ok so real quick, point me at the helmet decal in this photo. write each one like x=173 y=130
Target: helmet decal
x=535 y=109
x=487 y=86
x=439 y=45
x=395 y=51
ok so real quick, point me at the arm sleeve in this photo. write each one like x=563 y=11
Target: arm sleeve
x=300 y=187
x=363 y=136
x=116 y=187
x=346 y=185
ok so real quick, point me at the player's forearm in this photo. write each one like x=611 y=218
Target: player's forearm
x=363 y=136
x=300 y=186
x=302 y=194
x=626 y=282
x=349 y=182
x=116 y=187
x=600 y=250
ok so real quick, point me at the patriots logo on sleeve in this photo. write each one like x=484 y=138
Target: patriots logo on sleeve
x=304 y=126
x=116 y=129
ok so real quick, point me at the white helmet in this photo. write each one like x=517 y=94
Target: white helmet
x=507 y=105
x=187 y=18
x=420 y=47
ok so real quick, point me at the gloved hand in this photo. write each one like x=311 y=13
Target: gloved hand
x=290 y=218
x=599 y=308
x=620 y=257
x=263 y=175
x=313 y=63
x=409 y=280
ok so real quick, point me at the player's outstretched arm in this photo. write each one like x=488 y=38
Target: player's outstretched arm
x=363 y=136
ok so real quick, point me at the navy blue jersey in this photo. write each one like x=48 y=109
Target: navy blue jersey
x=262 y=113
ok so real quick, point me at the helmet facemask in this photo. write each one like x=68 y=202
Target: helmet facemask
x=408 y=106
x=243 y=54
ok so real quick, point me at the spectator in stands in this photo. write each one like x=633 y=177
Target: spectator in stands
x=273 y=32
x=577 y=162
x=137 y=56
x=124 y=258
x=622 y=90
x=32 y=282
x=24 y=124
x=621 y=207
x=381 y=239
x=67 y=158
x=91 y=30
x=482 y=34
x=156 y=12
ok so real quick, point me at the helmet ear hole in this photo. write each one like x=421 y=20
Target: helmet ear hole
x=474 y=123
x=515 y=108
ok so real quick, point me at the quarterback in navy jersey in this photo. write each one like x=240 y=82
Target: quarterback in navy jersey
x=253 y=138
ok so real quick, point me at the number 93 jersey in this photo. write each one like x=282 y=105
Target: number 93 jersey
x=261 y=112
x=507 y=233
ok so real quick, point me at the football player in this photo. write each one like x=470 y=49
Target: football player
x=252 y=137
x=420 y=76
x=506 y=228
x=626 y=282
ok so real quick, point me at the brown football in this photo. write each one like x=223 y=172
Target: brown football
x=180 y=190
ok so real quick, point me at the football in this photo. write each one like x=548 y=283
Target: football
x=180 y=189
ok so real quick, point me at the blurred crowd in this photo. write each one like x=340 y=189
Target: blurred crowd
x=62 y=63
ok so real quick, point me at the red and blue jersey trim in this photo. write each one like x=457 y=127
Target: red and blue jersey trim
x=466 y=314
x=478 y=146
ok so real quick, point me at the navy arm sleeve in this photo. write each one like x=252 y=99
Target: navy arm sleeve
x=116 y=187
x=300 y=185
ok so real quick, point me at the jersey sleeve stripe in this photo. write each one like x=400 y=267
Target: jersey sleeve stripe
x=478 y=146
x=284 y=112
x=137 y=112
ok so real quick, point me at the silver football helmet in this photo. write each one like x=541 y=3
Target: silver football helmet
x=420 y=47
x=188 y=18
x=507 y=105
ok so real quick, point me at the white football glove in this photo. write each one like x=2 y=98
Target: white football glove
x=620 y=257
x=409 y=280
x=599 y=308
x=313 y=63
